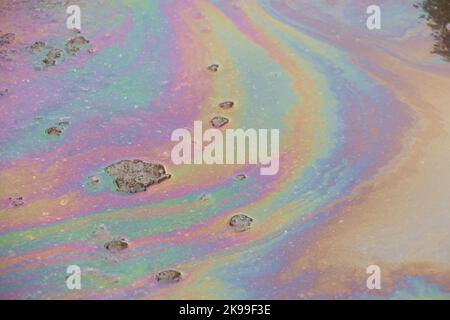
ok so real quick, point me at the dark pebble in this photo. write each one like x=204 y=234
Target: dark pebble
x=169 y=276
x=227 y=105
x=240 y=222
x=37 y=46
x=117 y=245
x=52 y=55
x=218 y=122
x=241 y=177
x=16 y=201
x=54 y=131
x=213 y=67
x=7 y=39
x=74 y=45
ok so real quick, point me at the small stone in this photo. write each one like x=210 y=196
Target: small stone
x=169 y=276
x=4 y=55
x=52 y=55
x=94 y=181
x=37 y=46
x=49 y=62
x=7 y=39
x=227 y=105
x=54 y=131
x=118 y=244
x=134 y=176
x=58 y=129
x=240 y=222
x=213 y=67
x=241 y=177
x=3 y=92
x=74 y=45
x=16 y=201
x=204 y=197
x=218 y=122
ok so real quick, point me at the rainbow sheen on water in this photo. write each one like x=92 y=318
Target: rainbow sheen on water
x=364 y=119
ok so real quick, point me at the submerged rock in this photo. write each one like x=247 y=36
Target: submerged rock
x=54 y=131
x=133 y=176
x=240 y=222
x=74 y=45
x=94 y=181
x=218 y=122
x=213 y=67
x=241 y=177
x=118 y=244
x=204 y=197
x=37 y=46
x=58 y=129
x=227 y=105
x=16 y=201
x=7 y=39
x=52 y=55
x=168 y=276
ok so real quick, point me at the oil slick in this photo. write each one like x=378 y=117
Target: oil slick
x=363 y=149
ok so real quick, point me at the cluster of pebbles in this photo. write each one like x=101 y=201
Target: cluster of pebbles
x=17 y=201
x=239 y=222
x=130 y=176
x=119 y=244
x=6 y=40
x=133 y=176
x=53 y=55
x=74 y=45
x=220 y=121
